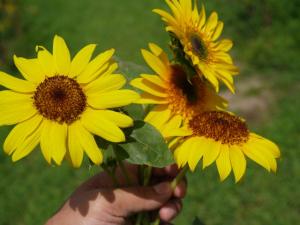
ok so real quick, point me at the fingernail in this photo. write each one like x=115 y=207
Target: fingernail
x=163 y=188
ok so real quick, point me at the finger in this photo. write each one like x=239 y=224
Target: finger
x=141 y=198
x=169 y=171
x=170 y=210
x=181 y=189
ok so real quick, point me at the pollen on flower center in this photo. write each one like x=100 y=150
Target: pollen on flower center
x=198 y=46
x=220 y=126
x=185 y=97
x=60 y=99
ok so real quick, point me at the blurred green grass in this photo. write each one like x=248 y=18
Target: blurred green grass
x=266 y=45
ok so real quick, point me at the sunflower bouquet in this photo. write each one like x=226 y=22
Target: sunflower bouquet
x=67 y=106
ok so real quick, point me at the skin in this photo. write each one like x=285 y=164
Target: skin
x=97 y=202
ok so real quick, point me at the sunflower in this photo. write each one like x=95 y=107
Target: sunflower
x=221 y=137
x=171 y=91
x=199 y=39
x=62 y=103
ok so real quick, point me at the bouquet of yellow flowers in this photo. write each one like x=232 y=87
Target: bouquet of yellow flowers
x=71 y=106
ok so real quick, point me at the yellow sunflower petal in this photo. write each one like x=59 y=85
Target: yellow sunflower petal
x=28 y=145
x=238 y=162
x=155 y=80
x=75 y=147
x=174 y=143
x=158 y=116
x=202 y=18
x=98 y=74
x=196 y=152
x=173 y=128
x=16 y=112
x=30 y=69
x=19 y=133
x=16 y=84
x=224 y=45
x=223 y=57
x=266 y=153
x=89 y=144
x=156 y=64
x=165 y=16
x=176 y=132
x=174 y=6
x=174 y=122
x=217 y=31
x=46 y=145
x=103 y=127
x=57 y=135
x=228 y=67
x=93 y=68
x=8 y=97
x=268 y=144
x=181 y=153
x=149 y=87
x=61 y=56
x=223 y=163
x=120 y=119
x=151 y=99
x=186 y=6
x=211 y=22
x=229 y=84
x=81 y=60
x=210 y=76
x=106 y=84
x=211 y=151
x=112 y=67
x=159 y=52
x=112 y=99
x=46 y=61
x=195 y=12
x=254 y=154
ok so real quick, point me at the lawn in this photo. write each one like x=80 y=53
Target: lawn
x=266 y=37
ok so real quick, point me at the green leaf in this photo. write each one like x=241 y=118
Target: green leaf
x=135 y=111
x=146 y=146
x=109 y=159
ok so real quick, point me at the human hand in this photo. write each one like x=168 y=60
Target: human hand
x=98 y=202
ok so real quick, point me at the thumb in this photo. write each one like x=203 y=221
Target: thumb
x=141 y=198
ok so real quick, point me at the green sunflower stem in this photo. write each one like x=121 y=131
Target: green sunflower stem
x=174 y=183
x=122 y=167
x=112 y=176
x=156 y=222
x=146 y=172
x=147 y=175
x=179 y=177
x=125 y=172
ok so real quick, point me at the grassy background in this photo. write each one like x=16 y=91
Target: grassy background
x=266 y=35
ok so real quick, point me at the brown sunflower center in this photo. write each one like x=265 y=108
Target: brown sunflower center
x=199 y=46
x=220 y=126
x=186 y=97
x=60 y=99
